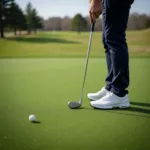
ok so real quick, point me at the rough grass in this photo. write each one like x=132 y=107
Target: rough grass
x=64 y=44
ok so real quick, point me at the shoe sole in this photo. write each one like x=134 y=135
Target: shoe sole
x=121 y=106
x=93 y=98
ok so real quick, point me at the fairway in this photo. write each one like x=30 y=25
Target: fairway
x=43 y=86
x=68 y=44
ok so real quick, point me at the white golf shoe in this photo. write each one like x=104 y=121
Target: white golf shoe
x=98 y=95
x=110 y=101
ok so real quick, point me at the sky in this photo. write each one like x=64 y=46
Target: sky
x=51 y=8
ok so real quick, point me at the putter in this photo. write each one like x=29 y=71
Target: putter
x=75 y=105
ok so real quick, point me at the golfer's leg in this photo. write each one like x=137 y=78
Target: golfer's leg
x=109 y=77
x=107 y=52
x=117 y=18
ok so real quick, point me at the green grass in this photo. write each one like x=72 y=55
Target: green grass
x=68 y=44
x=44 y=86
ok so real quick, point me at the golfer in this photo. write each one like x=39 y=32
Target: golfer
x=115 y=15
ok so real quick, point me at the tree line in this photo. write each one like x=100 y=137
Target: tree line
x=13 y=18
x=79 y=23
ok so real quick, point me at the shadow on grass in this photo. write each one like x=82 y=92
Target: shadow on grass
x=131 y=111
x=141 y=104
x=145 y=112
x=138 y=110
x=36 y=122
x=79 y=108
x=42 y=40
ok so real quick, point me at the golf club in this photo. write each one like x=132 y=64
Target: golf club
x=75 y=105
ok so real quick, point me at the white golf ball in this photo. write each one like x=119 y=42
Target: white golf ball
x=32 y=118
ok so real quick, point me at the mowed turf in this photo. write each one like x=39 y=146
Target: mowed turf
x=68 y=44
x=44 y=86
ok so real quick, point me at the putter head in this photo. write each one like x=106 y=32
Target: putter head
x=74 y=105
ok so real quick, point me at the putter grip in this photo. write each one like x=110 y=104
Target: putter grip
x=92 y=26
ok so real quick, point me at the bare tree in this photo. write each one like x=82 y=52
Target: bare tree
x=66 y=24
x=53 y=23
x=138 y=21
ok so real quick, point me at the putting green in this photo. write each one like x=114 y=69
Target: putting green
x=44 y=86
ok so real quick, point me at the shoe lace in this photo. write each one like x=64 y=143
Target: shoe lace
x=110 y=94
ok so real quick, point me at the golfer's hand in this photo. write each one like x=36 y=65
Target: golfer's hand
x=95 y=9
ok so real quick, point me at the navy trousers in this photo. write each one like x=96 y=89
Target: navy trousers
x=115 y=17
